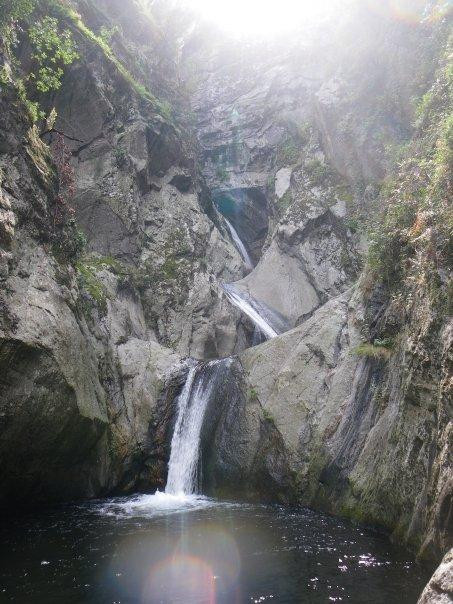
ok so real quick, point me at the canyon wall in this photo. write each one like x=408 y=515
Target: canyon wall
x=306 y=146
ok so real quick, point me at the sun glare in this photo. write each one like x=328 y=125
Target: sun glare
x=259 y=16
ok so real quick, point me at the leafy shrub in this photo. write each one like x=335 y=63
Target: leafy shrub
x=287 y=153
x=52 y=50
x=388 y=343
x=102 y=41
x=68 y=242
x=14 y=10
x=106 y=34
x=90 y=282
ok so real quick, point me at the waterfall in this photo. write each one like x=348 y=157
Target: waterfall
x=185 y=445
x=268 y=321
x=239 y=245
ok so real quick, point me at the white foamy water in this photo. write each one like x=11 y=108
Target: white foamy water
x=250 y=307
x=239 y=245
x=151 y=506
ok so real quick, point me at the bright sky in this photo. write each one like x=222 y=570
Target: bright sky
x=260 y=16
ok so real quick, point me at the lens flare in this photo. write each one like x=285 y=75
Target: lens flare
x=180 y=578
x=412 y=12
x=215 y=545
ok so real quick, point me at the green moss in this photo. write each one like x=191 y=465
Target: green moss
x=288 y=152
x=285 y=202
x=252 y=395
x=88 y=280
x=268 y=417
x=317 y=172
x=170 y=267
x=353 y=224
x=373 y=351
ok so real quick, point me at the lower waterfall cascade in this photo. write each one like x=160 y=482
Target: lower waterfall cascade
x=183 y=466
x=192 y=402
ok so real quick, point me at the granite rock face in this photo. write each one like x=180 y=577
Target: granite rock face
x=139 y=198
x=440 y=587
x=68 y=429
x=366 y=438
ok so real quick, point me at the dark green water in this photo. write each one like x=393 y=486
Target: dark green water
x=151 y=550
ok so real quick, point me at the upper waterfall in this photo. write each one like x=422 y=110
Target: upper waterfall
x=239 y=245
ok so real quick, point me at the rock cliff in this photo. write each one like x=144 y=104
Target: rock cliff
x=330 y=156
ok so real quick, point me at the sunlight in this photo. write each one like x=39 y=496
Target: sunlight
x=260 y=16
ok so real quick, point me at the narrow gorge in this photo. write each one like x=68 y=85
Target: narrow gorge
x=225 y=304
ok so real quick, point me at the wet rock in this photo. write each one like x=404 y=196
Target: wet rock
x=440 y=587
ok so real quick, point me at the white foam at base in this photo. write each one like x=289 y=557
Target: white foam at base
x=159 y=504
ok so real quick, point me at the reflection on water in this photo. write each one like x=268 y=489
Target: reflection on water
x=162 y=549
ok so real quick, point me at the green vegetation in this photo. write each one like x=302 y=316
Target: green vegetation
x=285 y=202
x=102 y=41
x=352 y=224
x=317 y=171
x=88 y=280
x=52 y=50
x=15 y=10
x=120 y=157
x=170 y=268
x=287 y=152
x=253 y=395
x=11 y=12
x=107 y=34
x=380 y=349
x=69 y=242
x=413 y=236
x=388 y=343
x=268 y=417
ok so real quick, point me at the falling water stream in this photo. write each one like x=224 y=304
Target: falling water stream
x=264 y=318
x=185 y=444
x=179 y=547
x=239 y=245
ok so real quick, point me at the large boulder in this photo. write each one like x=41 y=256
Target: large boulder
x=440 y=587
